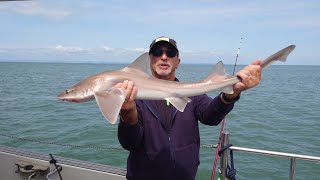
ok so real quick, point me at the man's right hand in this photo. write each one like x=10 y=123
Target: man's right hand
x=128 y=111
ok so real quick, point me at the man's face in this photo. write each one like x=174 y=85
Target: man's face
x=163 y=65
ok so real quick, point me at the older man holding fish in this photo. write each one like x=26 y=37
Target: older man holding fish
x=164 y=143
x=159 y=114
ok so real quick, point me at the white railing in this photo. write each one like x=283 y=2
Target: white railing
x=225 y=154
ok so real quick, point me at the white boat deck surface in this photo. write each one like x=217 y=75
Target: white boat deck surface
x=71 y=169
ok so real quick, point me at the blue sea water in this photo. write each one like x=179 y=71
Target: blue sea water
x=281 y=114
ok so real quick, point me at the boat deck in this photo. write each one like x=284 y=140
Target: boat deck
x=71 y=169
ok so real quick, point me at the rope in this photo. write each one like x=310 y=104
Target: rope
x=209 y=146
x=53 y=161
x=231 y=171
x=224 y=148
x=80 y=146
x=217 y=151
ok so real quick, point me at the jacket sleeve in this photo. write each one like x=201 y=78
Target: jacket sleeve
x=130 y=136
x=211 y=111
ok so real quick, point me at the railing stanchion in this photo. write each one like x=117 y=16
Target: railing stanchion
x=292 y=168
x=224 y=156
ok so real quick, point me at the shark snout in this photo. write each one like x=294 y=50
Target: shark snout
x=62 y=97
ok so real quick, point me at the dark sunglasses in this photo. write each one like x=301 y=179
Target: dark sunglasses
x=169 y=52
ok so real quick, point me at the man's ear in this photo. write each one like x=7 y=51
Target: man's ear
x=178 y=63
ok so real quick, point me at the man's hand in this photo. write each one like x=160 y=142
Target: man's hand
x=128 y=111
x=250 y=77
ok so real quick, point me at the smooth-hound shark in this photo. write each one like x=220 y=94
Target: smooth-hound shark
x=110 y=99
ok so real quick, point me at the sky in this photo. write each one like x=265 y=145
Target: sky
x=118 y=31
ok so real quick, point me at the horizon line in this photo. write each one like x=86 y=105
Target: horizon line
x=124 y=63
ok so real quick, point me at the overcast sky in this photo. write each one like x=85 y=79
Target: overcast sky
x=111 y=31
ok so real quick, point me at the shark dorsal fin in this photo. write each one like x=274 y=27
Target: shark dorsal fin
x=218 y=69
x=217 y=72
x=141 y=65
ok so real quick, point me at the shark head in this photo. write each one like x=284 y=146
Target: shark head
x=75 y=94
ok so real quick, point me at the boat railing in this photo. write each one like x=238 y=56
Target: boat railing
x=225 y=154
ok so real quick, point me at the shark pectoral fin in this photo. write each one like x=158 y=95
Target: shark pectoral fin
x=228 y=89
x=110 y=103
x=179 y=102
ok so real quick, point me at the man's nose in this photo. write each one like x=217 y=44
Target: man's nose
x=164 y=55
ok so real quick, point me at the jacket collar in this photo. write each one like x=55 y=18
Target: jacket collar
x=152 y=107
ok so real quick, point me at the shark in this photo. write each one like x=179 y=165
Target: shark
x=101 y=86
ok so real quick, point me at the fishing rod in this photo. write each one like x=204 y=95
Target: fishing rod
x=238 y=52
x=223 y=121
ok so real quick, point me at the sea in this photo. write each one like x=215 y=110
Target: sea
x=281 y=114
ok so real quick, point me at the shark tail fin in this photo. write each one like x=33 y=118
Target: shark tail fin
x=218 y=74
x=281 y=55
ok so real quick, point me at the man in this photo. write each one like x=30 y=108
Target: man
x=163 y=142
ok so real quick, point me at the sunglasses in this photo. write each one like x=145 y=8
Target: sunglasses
x=169 y=52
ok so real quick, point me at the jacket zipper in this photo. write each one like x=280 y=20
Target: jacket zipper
x=170 y=143
x=171 y=152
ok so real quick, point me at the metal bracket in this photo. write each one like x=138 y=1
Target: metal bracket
x=28 y=170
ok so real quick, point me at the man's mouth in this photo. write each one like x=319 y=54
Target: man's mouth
x=164 y=66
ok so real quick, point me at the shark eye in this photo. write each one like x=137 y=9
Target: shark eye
x=67 y=91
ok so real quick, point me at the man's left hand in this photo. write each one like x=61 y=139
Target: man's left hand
x=250 y=77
